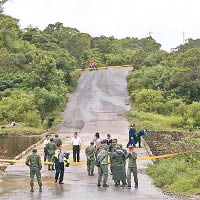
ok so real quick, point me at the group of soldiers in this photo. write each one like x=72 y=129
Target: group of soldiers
x=97 y=153
x=99 y=156
x=50 y=147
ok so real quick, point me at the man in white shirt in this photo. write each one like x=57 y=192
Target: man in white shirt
x=76 y=143
x=46 y=141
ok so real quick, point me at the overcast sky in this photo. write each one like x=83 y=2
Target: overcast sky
x=166 y=19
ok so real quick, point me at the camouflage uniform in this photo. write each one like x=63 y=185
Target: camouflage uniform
x=51 y=147
x=103 y=168
x=34 y=162
x=112 y=148
x=132 y=168
x=126 y=154
x=119 y=174
x=57 y=141
x=89 y=152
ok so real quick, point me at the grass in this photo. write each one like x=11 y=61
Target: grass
x=176 y=175
x=154 y=121
x=20 y=130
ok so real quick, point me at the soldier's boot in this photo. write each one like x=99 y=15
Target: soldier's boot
x=88 y=173
x=92 y=174
x=129 y=186
x=105 y=185
x=99 y=184
x=32 y=190
x=117 y=184
x=124 y=184
x=40 y=189
x=136 y=185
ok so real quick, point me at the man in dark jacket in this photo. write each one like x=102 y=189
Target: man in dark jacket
x=132 y=136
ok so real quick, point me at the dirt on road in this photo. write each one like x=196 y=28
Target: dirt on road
x=99 y=105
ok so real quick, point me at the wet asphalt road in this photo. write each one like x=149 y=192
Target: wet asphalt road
x=98 y=104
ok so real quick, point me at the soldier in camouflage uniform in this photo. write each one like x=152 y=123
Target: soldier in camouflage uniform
x=111 y=150
x=102 y=156
x=34 y=162
x=90 y=152
x=126 y=154
x=118 y=158
x=132 y=167
x=51 y=147
x=57 y=140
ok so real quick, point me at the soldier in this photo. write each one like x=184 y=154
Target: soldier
x=132 y=167
x=112 y=146
x=34 y=162
x=90 y=152
x=126 y=154
x=51 y=147
x=111 y=150
x=102 y=156
x=57 y=140
x=118 y=158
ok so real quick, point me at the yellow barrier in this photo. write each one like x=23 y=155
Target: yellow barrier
x=83 y=163
x=107 y=67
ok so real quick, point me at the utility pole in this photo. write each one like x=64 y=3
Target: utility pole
x=150 y=34
x=183 y=37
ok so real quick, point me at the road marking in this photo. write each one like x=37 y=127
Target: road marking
x=84 y=162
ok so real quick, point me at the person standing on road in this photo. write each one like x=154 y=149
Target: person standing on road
x=59 y=158
x=90 y=153
x=109 y=140
x=34 y=162
x=57 y=140
x=126 y=154
x=46 y=141
x=97 y=140
x=111 y=150
x=102 y=156
x=51 y=147
x=118 y=158
x=132 y=167
x=76 y=144
x=138 y=137
x=132 y=136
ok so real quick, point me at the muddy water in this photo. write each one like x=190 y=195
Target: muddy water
x=11 y=146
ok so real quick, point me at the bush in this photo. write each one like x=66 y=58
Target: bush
x=16 y=106
x=193 y=112
x=176 y=122
x=33 y=119
x=148 y=100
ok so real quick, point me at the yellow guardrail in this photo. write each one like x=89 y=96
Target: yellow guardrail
x=84 y=162
x=106 y=67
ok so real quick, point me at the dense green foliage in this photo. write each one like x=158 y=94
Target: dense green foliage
x=38 y=68
x=168 y=84
x=165 y=94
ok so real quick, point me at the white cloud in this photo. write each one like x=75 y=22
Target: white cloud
x=120 y=18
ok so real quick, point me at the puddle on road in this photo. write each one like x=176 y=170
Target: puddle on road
x=11 y=146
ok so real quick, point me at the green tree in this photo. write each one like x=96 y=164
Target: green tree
x=46 y=102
